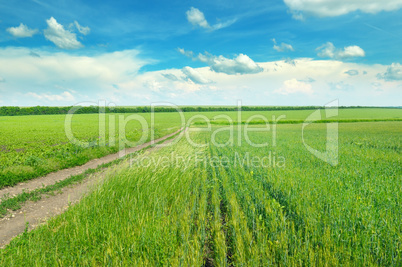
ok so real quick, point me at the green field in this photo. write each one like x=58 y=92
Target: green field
x=211 y=206
x=32 y=146
x=356 y=113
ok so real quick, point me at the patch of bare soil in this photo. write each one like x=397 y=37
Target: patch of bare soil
x=36 y=213
x=54 y=177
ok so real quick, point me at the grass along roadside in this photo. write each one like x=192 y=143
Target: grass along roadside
x=307 y=213
x=134 y=213
x=16 y=202
x=34 y=146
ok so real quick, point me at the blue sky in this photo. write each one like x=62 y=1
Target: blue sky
x=278 y=52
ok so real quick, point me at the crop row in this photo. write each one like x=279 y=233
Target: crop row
x=205 y=212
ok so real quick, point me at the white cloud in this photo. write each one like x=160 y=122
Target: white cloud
x=351 y=51
x=65 y=96
x=259 y=88
x=393 y=73
x=329 y=50
x=197 y=18
x=116 y=77
x=224 y=24
x=186 y=53
x=282 y=47
x=241 y=64
x=167 y=85
x=352 y=72
x=195 y=76
x=331 y=8
x=22 y=31
x=326 y=50
x=53 y=67
x=61 y=37
x=293 y=86
x=81 y=29
x=90 y=75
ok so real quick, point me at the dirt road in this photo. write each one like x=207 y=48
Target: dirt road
x=54 y=177
x=35 y=213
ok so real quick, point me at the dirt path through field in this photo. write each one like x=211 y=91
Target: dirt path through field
x=36 y=213
x=54 y=177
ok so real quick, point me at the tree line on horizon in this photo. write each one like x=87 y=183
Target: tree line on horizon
x=45 y=110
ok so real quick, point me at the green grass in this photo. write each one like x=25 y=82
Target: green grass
x=195 y=212
x=344 y=114
x=32 y=146
x=14 y=203
x=263 y=122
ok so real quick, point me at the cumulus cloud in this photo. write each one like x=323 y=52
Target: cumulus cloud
x=393 y=73
x=53 y=67
x=116 y=77
x=329 y=50
x=22 y=31
x=282 y=47
x=352 y=72
x=241 y=64
x=65 y=96
x=195 y=76
x=197 y=18
x=54 y=73
x=293 y=86
x=81 y=29
x=351 y=51
x=326 y=50
x=266 y=87
x=331 y=8
x=61 y=37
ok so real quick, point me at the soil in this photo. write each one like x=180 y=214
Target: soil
x=36 y=213
x=54 y=177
